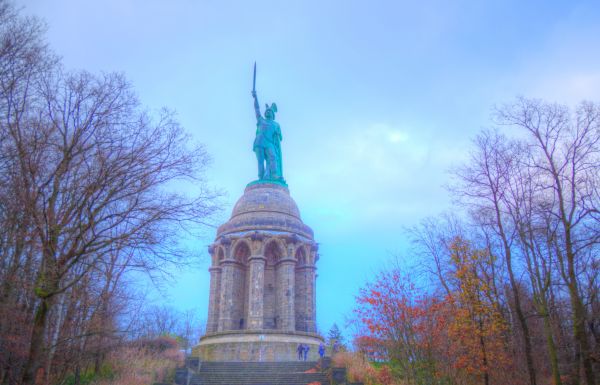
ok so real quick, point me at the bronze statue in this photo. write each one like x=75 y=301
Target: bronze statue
x=267 y=145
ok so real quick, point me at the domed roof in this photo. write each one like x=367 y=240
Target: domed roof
x=269 y=197
x=265 y=206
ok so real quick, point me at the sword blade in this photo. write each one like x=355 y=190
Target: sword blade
x=254 y=79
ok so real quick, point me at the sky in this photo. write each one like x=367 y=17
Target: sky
x=377 y=101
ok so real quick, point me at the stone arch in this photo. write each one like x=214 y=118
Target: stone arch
x=274 y=251
x=217 y=256
x=300 y=255
x=241 y=251
x=304 y=309
x=310 y=255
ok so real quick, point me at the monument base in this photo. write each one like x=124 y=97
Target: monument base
x=259 y=345
x=280 y=182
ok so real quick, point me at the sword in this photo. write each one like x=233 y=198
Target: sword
x=254 y=80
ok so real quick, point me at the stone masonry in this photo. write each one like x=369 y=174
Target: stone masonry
x=262 y=281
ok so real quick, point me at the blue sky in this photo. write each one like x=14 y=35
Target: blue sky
x=376 y=100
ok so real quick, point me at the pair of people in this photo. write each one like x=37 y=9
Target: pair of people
x=302 y=351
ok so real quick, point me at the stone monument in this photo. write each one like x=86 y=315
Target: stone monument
x=263 y=273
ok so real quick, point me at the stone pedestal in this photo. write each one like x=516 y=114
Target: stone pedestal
x=262 y=295
x=265 y=345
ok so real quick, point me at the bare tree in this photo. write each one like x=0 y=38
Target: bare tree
x=566 y=156
x=432 y=239
x=24 y=61
x=84 y=172
x=535 y=232
x=97 y=175
x=483 y=183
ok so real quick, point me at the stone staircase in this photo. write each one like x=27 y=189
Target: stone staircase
x=258 y=373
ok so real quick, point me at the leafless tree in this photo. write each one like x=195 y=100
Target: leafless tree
x=535 y=232
x=90 y=184
x=565 y=155
x=482 y=184
x=431 y=240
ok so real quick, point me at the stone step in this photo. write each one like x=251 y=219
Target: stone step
x=257 y=373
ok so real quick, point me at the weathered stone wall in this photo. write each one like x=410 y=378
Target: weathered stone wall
x=239 y=292
x=214 y=297
x=269 y=300
x=256 y=289
x=281 y=293
x=253 y=347
x=300 y=301
x=285 y=294
x=262 y=277
x=226 y=296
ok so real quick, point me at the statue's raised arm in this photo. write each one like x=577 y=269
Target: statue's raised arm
x=256 y=106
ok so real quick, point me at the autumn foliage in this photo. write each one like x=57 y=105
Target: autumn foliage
x=431 y=338
x=142 y=363
x=504 y=290
x=361 y=370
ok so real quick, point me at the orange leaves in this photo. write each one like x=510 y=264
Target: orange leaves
x=477 y=326
x=384 y=376
x=360 y=370
x=397 y=318
x=457 y=335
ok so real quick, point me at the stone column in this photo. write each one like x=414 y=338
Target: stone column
x=256 y=289
x=306 y=320
x=311 y=323
x=285 y=294
x=300 y=299
x=311 y=299
x=226 y=298
x=214 y=299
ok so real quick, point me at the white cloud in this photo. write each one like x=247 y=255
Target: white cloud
x=374 y=179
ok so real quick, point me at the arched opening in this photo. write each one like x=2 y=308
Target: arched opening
x=301 y=256
x=241 y=253
x=273 y=254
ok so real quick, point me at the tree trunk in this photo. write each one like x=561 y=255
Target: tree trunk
x=34 y=360
x=551 y=347
x=522 y=322
x=45 y=289
x=580 y=334
x=579 y=330
x=516 y=296
x=486 y=376
x=56 y=334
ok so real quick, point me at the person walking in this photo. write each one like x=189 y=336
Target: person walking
x=306 y=349
x=321 y=350
x=300 y=350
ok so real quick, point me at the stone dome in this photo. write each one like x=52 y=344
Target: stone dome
x=265 y=207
